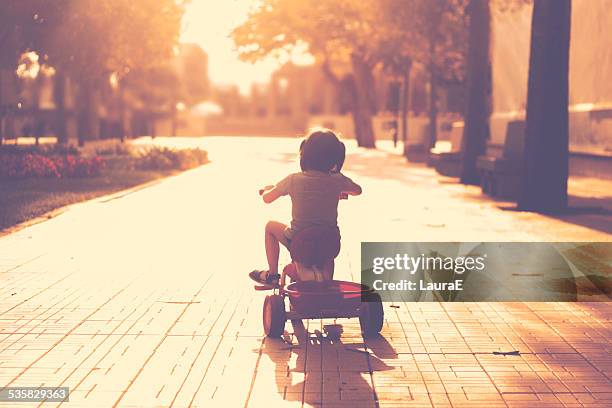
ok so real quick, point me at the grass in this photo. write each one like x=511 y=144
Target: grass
x=23 y=200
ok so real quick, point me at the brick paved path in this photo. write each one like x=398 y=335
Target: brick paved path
x=141 y=300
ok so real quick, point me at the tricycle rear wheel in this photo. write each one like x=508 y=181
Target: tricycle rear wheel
x=371 y=315
x=274 y=316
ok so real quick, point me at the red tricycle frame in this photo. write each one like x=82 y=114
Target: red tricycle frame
x=327 y=299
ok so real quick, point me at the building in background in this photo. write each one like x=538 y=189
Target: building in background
x=282 y=106
x=301 y=96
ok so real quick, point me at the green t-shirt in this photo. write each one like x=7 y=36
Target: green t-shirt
x=314 y=198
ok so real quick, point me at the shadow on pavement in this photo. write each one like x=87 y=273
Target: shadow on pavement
x=553 y=331
x=322 y=370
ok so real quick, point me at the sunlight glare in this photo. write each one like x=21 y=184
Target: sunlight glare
x=209 y=23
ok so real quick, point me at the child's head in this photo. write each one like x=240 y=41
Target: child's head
x=322 y=151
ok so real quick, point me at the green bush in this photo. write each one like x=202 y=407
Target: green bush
x=163 y=158
x=114 y=150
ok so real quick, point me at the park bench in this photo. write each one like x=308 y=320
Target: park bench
x=445 y=157
x=500 y=176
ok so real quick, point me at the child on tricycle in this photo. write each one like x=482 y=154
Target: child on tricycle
x=313 y=241
x=314 y=192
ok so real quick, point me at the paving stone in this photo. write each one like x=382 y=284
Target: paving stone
x=144 y=301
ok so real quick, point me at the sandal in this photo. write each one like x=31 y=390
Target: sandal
x=265 y=277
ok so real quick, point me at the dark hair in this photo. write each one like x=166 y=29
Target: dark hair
x=321 y=151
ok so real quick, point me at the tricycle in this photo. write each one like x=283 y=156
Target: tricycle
x=312 y=292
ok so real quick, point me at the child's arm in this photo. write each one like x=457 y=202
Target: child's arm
x=349 y=187
x=353 y=190
x=270 y=194
x=266 y=188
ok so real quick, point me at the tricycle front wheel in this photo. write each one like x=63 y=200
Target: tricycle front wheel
x=371 y=315
x=274 y=316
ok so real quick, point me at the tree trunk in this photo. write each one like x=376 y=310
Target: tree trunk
x=545 y=163
x=433 y=109
x=360 y=87
x=39 y=125
x=88 y=115
x=1 y=106
x=405 y=102
x=8 y=103
x=349 y=88
x=152 y=126
x=173 y=120
x=396 y=119
x=476 y=130
x=433 y=86
x=59 y=96
x=122 y=124
x=364 y=103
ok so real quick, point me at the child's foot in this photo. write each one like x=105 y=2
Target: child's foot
x=265 y=277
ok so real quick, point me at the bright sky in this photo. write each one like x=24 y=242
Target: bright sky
x=209 y=23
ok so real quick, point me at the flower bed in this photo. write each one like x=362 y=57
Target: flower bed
x=67 y=162
x=35 y=180
x=34 y=165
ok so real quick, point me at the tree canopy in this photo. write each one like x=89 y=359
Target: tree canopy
x=91 y=38
x=94 y=38
x=90 y=41
x=349 y=39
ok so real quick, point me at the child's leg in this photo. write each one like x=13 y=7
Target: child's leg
x=275 y=234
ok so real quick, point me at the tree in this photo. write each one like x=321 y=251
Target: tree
x=21 y=23
x=156 y=89
x=88 y=40
x=545 y=163
x=194 y=75
x=442 y=26
x=345 y=36
x=477 y=112
x=401 y=51
x=92 y=39
x=429 y=33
